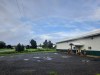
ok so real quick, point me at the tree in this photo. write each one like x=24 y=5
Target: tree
x=9 y=46
x=27 y=46
x=2 y=44
x=19 y=48
x=22 y=48
x=50 y=44
x=33 y=44
x=45 y=44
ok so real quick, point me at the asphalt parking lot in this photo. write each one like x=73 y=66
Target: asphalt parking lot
x=48 y=64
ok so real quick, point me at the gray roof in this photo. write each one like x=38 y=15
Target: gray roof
x=89 y=34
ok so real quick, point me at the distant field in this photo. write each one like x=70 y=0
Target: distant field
x=12 y=51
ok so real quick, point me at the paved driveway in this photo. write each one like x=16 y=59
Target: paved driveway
x=48 y=64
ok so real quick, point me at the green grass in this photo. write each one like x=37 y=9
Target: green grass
x=4 y=50
x=12 y=51
x=41 y=50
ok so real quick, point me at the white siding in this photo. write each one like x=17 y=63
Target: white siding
x=87 y=42
x=64 y=45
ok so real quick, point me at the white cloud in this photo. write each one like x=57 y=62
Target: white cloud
x=14 y=30
x=60 y=35
x=45 y=36
x=18 y=34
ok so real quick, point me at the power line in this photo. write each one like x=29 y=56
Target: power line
x=23 y=8
x=18 y=8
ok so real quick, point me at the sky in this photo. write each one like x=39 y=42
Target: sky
x=23 y=20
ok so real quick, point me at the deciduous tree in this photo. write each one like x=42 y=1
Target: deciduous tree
x=2 y=44
x=33 y=44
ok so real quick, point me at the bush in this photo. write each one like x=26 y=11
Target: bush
x=9 y=47
x=19 y=48
x=27 y=46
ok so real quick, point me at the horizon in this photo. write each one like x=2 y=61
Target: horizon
x=23 y=20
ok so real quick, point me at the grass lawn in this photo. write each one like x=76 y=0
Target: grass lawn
x=6 y=50
x=41 y=50
x=12 y=51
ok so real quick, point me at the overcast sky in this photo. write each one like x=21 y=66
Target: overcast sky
x=22 y=20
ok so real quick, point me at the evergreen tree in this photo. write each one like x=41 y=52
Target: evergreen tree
x=19 y=48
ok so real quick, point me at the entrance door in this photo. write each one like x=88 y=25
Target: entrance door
x=78 y=49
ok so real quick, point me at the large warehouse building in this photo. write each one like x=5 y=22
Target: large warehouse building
x=90 y=43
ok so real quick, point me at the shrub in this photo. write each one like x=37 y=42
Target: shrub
x=9 y=47
x=27 y=46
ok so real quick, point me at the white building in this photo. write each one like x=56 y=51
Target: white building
x=90 y=43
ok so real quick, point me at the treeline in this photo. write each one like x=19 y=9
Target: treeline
x=33 y=44
x=3 y=45
x=47 y=44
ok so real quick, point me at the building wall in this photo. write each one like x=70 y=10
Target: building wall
x=89 y=42
x=94 y=43
x=64 y=45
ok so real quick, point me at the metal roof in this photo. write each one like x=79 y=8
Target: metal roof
x=88 y=34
